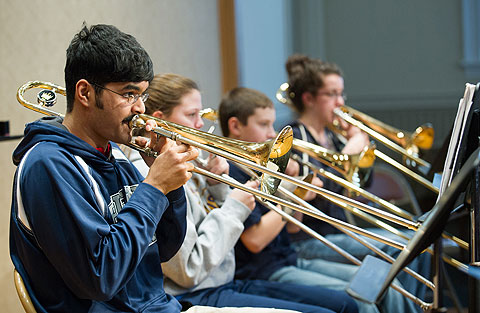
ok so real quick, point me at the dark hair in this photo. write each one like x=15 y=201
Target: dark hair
x=306 y=75
x=241 y=103
x=165 y=92
x=102 y=54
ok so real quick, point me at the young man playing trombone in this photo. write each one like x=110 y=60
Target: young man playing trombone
x=264 y=250
x=202 y=271
x=88 y=233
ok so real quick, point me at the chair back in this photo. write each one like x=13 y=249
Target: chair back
x=23 y=293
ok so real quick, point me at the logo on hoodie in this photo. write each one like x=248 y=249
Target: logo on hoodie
x=118 y=200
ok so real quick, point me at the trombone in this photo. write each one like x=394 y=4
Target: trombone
x=411 y=142
x=405 y=143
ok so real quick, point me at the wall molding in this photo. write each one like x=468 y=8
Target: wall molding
x=228 y=46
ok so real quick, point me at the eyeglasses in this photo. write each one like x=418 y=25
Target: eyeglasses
x=334 y=95
x=131 y=98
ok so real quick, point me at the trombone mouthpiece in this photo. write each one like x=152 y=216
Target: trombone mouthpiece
x=135 y=121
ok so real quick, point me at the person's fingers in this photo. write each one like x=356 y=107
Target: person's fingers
x=252 y=184
x=343 y=124
x=150 y=124
x=218 y=168
x=141 y=141
x=190 y=167
x=189 y=155
x=158 y=143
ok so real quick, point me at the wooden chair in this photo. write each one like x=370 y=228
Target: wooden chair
x=23 y=293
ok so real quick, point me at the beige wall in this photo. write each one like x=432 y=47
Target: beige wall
x=181 y=36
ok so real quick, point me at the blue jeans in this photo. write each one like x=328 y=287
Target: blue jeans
x=337 y=276
x=265 y=294
x=314 y=249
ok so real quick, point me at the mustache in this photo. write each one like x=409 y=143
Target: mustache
x=128 y=118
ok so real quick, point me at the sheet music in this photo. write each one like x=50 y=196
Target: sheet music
x=447 y=170
x=468 y=105
x=456 y=138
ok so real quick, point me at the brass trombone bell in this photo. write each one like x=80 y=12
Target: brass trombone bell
x=209 y=114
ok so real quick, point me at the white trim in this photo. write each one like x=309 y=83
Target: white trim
x=305 y=158
x=21 y=214
x=118 y=154
x=96 y=189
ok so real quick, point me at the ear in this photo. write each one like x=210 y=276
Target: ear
x=158 y=114
x=234 y=127
x=84 y=93
x=307 y=98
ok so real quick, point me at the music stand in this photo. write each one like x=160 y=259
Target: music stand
x=431 y=229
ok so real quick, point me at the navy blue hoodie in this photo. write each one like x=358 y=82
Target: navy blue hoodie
x=85 y=233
